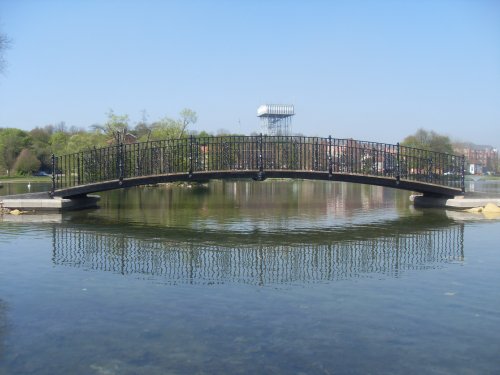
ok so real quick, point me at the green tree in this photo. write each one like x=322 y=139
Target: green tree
x=168 y=128
x=58 y=142
x=40 y=138
x=115 y=127
x=142 y=129
x=12 y=141
x=429 y=140
x=3 y=166
x=188 y=117
x=26 y=163
x=203 y=134
x=85 y=140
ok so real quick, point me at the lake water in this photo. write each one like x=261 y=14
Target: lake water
x=274 y=277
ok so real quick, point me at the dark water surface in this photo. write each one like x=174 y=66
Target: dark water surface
x=277 y=277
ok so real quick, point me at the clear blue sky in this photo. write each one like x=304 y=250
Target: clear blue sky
x=373 y=70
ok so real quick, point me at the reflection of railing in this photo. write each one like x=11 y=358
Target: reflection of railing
x=259 y=154
x=262 y=264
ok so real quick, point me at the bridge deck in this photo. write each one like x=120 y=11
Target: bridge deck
x=421 y=187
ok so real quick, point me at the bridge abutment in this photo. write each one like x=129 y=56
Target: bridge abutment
x=460 y=202
x=43 y=203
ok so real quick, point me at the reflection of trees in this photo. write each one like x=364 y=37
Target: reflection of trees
x=238 y=199
x=264 y=260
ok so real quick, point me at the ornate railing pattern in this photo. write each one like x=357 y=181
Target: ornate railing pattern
x=257 y=153
x=253 y=263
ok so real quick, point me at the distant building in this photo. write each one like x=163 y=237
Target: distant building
x=475 y=169
x=479 y=159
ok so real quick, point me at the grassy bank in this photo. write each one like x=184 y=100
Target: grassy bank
x=32 y=179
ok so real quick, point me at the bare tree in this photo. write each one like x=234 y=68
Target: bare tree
x=4 y=44
x=188 y=116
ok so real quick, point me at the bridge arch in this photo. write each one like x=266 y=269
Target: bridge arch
x=257 y=157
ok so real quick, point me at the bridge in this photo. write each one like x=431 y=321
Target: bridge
x=257 y=157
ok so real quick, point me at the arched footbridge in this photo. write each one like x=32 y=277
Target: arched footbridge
x=257 y=157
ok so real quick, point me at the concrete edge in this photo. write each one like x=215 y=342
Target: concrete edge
x=49 y=204
x=457 y=203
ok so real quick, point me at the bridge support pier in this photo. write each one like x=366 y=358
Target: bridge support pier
x=261 y=176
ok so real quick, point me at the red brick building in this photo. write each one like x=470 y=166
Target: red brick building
x=479 y=159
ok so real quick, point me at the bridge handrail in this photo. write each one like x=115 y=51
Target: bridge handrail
x=257 y=153
x=264 y=136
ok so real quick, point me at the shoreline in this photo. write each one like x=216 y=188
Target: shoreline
x=34 y=179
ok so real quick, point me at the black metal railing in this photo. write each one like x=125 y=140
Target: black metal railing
x=257 y=153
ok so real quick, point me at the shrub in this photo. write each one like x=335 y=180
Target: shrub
x=26 y=163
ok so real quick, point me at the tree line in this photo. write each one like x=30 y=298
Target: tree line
x=432 y=141
x=25 y=152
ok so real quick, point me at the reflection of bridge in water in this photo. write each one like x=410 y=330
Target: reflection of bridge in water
x=262 y=262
